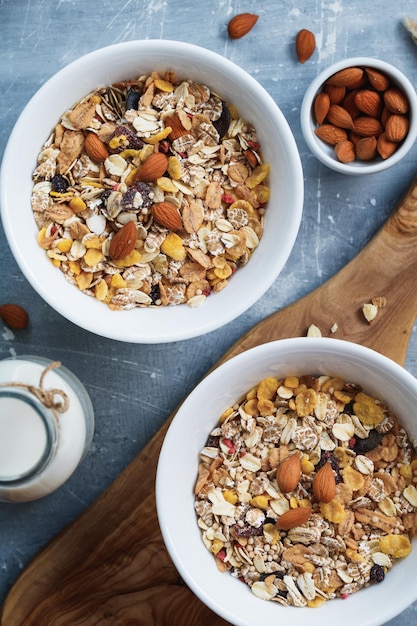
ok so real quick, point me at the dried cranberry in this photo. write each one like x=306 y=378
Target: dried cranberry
x=59 y=184
x=377 y=574
x=362 y=446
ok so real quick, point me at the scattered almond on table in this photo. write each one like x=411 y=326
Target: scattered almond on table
x=14 y=316
x=305 y=44
x=241 y=24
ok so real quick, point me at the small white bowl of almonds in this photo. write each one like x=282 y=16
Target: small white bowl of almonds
x=142 y=195
x=359 y=116
x=294 y=469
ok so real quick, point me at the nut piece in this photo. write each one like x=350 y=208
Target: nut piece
x=14 y=316
x=370 y=312
x=305 y=44
x=123 y=242
x=395 y=101
x=288 y=473
x=345 y=151
x=241 y=24
x=167 y=215
x=95 y=148
x=338 y=116
x=293 y=518
x=324 y=484
x=366 y=148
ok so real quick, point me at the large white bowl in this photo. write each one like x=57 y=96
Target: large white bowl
x=178 y=463
x=124 y=61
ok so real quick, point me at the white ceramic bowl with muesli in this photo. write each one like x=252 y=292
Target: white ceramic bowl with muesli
x=151 y=191
x=287 y=481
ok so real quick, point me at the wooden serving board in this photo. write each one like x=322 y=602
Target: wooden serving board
x=110 y=566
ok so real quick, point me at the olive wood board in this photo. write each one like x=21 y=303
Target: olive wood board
x=110 y=566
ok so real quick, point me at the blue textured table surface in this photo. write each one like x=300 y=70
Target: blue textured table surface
x=134 y=388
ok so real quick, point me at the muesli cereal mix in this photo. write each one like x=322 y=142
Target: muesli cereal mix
x=170 y=168
x=306 y=490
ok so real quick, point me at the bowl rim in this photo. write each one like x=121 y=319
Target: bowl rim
x=138 y=326
x=167 y=488
x=308 y=124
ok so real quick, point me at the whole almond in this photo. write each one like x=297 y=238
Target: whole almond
x=367 y=126
x=305 y=44
x=345 y=151
x=369 y=102
x=385 y=148
x=321 y=107
x=14 y=316
x=336 y=94
x=166 y=215
x=95 y=148
x=396 y=127
x=241 y=24
x=395 y=101
x=338 y=116
x=349 y=104
x=294 y=517
x=324 y=483
x=330 y=134
x=366 y=148
x=345 y=78
x=377 y=79
x=123 y=242
x=152 y=168
x=289 y=472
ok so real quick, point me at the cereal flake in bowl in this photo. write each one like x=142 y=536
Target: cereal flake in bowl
x=305 y=489
x=150 y=182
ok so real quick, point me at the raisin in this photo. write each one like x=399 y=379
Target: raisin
x=137 y=197
x=154 y=294
x=132 y=99
x=365 y=445
x=246 y=531
x=212 y=441
x=59 y=184
x=377 y=574
x=223 y=123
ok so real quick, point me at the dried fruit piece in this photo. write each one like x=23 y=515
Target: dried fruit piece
x=241 y=24
x=289 y=472
x=324 y=483
x=14 y=316
x=305 y=44
x=123 y=241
